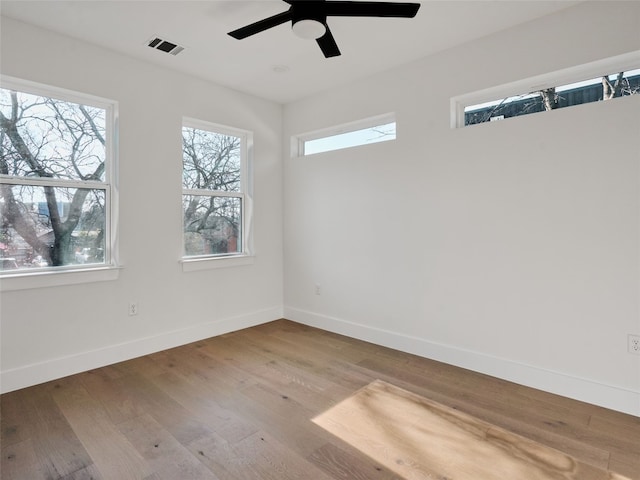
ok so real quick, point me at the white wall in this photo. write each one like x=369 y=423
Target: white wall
x=51 y=332
x=511 y=248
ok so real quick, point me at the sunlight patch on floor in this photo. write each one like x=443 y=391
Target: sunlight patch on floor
x=417 y=438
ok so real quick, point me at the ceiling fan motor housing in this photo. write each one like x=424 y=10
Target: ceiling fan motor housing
x=309 y=18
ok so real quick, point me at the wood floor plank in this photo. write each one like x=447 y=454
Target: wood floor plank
x=169 y=413
x=289 y=364
x=38 y=418
x=272 y=460
x=167 y=457
x=114 y=456
x=198 y=401
x=490 y=399
x=627 y=464
x=422 y=439
x=114 y=396
x=611 y=428
x=240 y=407
x=314 y=391
x=499 y=402
x=20 y=461
x=342 y=465
x=88 y=473
x=199 y=365
x=13 y=425
x=222 y=459
x=284 y=418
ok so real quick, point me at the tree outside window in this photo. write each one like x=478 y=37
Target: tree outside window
x=214 y=188
x=621 y=84
x=54 y=182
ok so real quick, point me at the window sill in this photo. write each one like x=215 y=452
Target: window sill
x=198 y=264
x=30 y=280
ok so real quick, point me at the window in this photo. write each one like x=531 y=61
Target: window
x=593 y=90
x=372 y=130
x=603 y=80
x=56 y=193
x=215 y=193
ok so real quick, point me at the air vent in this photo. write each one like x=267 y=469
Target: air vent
x=165 y=46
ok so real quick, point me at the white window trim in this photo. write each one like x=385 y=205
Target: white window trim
x=196 y=264
x=246 y=257
x=44 y=279
x=75 y=274
x=298 y=141
x=627 y=61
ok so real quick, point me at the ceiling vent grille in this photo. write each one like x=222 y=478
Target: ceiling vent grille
x=165 y=46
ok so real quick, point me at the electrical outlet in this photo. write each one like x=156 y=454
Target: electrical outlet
x=634 y=344
x=317 y=290
x=133 y=308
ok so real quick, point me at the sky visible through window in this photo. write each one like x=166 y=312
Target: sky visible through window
x=379 y=133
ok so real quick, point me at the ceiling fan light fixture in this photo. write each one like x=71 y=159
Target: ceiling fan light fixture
x=309 y=18
x=309 y=29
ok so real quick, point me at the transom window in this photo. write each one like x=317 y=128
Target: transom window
x=55 y=179
x=620 y=84
x=363 y=132
x=599 y=81
x=214 y=182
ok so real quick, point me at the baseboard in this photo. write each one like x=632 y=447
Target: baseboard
x=61 y=367
x=608 y=396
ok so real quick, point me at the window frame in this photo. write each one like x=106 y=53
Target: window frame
x=298 y=141
x=245 y=255
x=579 y=73
x=77 y=273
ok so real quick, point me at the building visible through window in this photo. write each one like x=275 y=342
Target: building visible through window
x=55 y=185
x=597 y=89
x=214 y=189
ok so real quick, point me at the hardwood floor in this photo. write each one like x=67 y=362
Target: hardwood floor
x=239 y=406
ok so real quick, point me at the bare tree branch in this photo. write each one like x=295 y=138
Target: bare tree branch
x=57 y=140
x=549 y=98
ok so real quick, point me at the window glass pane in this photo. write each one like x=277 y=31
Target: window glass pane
x=379 y=133
x=51 y=226
x=211 y=161
x=594 y=90
x=212 y=225
x=45 y=137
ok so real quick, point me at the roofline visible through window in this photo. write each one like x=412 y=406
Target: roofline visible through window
x=627 y=61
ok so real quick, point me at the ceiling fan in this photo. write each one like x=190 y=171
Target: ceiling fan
x=309 y=19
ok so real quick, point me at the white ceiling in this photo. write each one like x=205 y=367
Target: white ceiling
x=254 y=65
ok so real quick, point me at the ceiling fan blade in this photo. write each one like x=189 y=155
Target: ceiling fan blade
x=261 y=26
x=370 y=9
x=328 y=45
